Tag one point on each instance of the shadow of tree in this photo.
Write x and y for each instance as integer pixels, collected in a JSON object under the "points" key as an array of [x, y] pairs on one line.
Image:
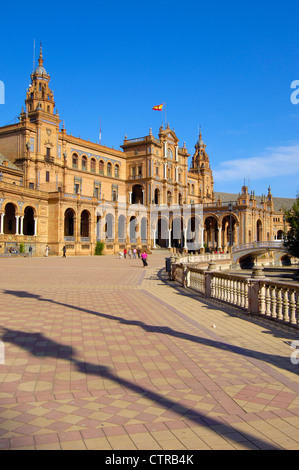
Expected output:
{"points": [[38, 344]]}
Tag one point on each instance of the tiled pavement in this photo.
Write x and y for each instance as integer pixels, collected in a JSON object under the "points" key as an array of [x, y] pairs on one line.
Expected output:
{"points": [[101, 353]]}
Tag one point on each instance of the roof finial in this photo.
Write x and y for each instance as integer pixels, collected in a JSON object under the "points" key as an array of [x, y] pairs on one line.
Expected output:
{"points": [[40, 59]]}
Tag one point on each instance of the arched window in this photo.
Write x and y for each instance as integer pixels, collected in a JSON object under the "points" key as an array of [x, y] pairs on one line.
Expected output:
{"points": [[101, 167], [84, 163], [116, 171], [75, 160], [93, 165], [109, 169]]}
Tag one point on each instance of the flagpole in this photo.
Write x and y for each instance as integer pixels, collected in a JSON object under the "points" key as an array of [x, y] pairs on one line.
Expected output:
{"points": [[165, 114]]}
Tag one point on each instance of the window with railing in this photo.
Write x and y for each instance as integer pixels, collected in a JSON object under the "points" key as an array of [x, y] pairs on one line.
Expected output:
{"points": [[109, 169], [75, 160], [101, 167]]}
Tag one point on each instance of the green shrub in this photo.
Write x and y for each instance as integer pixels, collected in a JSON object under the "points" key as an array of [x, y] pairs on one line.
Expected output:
{"points": [[22, 248], [99, 248]]}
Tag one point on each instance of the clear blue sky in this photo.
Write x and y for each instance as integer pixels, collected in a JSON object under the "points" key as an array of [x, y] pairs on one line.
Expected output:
{"points": [[227, 66]]}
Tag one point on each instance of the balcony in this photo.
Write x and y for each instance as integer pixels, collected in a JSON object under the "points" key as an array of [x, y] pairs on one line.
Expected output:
{"points": [[49, 159]]}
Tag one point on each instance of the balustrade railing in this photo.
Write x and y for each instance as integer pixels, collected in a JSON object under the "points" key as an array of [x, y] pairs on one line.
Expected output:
{"points": [[271, 299]]}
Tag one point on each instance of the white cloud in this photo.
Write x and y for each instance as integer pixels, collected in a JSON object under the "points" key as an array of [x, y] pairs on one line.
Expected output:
{"points": [[279, 161]]}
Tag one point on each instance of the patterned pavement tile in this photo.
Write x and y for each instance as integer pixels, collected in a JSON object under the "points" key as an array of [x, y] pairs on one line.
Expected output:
{"points": [[102, 354]]}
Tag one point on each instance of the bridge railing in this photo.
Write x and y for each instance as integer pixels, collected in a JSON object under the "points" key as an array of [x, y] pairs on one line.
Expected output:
{"points": [[274, 300], [251, 246]]}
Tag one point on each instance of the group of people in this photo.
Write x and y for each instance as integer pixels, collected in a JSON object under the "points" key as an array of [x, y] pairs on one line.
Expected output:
{"points": [[133, 253]]}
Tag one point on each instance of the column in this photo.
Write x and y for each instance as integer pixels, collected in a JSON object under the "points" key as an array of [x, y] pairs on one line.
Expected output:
{"points": [[165, 170], [143, 198], [185, 239], [1, 224], [17, 224], [130, 197], [202, 238], [219, 238]]}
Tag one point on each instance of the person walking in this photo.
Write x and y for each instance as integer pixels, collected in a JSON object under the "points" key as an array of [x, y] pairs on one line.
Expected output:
{"points": [[125, 253], [30, 251], [130, 253], [47, 250], [144, 258], [64, 251], [134, 253]]}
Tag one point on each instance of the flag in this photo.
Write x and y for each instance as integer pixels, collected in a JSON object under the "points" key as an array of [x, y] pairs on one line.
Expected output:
{"points": [[158, 108]]}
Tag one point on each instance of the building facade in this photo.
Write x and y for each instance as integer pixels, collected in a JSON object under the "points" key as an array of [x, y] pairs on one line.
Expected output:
{"points": [[60, 190]]}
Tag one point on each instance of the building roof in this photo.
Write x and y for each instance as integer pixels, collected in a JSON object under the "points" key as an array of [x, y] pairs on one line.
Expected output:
{"points": [[280, 203], [6, 163]]}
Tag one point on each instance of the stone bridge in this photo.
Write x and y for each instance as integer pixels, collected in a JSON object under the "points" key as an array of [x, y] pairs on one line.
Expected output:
{"points": [[255, 249]]}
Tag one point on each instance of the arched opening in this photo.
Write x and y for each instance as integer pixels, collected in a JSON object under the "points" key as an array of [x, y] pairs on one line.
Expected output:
{"points": [[29, 221], [69, 223], [75, 160], [101, 167], [10, 219], [93, 165], [133, 228], [109, 227], [169, 198], [109, 169], [162, 232], [137, 194], [177, 233], [116, 171], [280, 235], [122, 228], [259, 231], [84, 163], [228, 232], [84, 224], [211, 233]]}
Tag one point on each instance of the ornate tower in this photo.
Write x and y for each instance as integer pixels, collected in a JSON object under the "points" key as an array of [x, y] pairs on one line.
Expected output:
{"points": [[200, 165], [39, 97]]}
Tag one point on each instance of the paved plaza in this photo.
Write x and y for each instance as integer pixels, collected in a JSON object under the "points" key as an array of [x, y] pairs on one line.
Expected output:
{"points": [[101, 353]]}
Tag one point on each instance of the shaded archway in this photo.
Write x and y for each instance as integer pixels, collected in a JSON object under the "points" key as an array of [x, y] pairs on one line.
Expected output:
{"points": [[10, 219], [29, 221], [84, 224], [69, 222], [109, 226], [133, 229], [259, 231], [162, 232], [137, 194], [143, 230], [122, 228], [211, 233], [156, 196]]}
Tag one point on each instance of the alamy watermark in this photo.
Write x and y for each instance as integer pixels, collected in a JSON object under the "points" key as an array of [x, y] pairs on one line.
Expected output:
{"points": [[295, 94], [2, 93], [2, 353]]}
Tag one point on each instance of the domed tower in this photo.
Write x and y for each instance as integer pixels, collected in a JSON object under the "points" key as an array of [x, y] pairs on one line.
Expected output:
{"points": [[39, 97], [200, 165]]}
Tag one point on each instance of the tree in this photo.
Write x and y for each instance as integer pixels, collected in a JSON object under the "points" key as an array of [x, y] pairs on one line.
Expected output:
{"points": [[292, 237]]}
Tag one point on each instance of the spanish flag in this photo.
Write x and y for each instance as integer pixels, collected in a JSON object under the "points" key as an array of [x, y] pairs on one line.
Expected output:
{"points": [[158, 108]]}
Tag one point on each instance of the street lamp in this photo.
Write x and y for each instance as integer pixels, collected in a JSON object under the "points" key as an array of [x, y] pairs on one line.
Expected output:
{"points": [[230, 208]]}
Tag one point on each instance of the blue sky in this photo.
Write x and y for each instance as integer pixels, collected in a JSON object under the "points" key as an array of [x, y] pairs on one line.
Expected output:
{"points": [[224, 66]]}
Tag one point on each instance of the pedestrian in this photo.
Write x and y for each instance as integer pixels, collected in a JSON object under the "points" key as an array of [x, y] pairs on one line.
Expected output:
{"points": [[125, 253], [30, 250], [64, 251], [134, 253], [130, 253], [138, 253], [47, 250], [120, 254], [144, 258]]}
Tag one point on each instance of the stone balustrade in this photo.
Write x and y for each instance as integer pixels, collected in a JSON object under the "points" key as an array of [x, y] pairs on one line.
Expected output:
{"points": [[256, 295]]}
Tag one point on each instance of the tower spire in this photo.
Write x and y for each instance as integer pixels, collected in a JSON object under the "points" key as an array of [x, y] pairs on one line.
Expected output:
{"points": [[40, 59]]}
